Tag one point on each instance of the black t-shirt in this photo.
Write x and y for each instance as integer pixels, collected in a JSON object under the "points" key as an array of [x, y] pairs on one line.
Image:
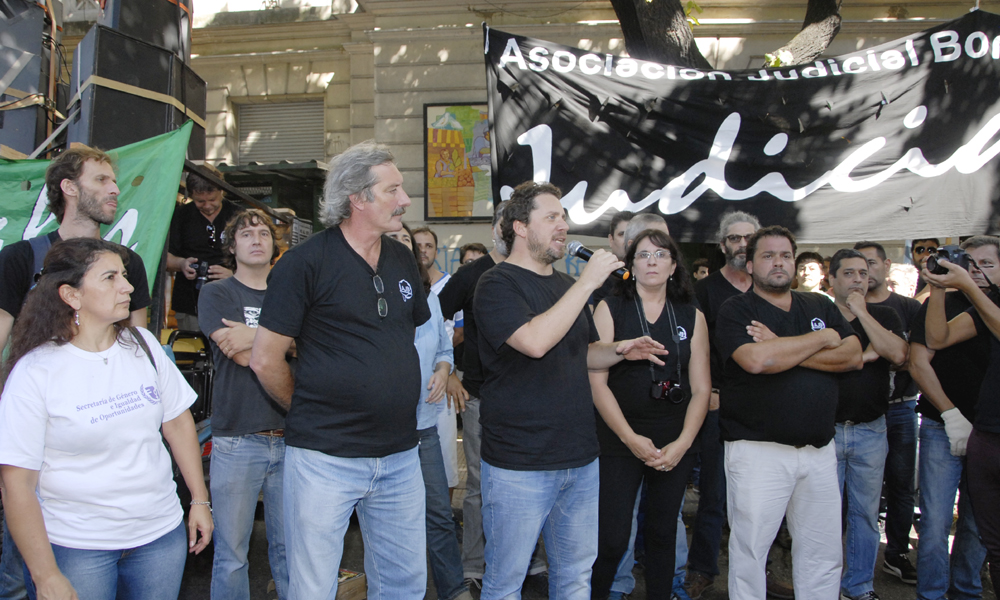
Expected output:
{"points": [[17, 261], [988, 406], [660, 420], [191, 234], [240, 405], [358, 377], [960, 368], [712, 292], [458, 295], [794, 407], [864, 394], [537, 413], [607, 289], [902, 383]]}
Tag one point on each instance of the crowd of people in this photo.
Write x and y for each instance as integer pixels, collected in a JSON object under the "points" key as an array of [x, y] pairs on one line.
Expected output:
{"points": [[587, 404]]}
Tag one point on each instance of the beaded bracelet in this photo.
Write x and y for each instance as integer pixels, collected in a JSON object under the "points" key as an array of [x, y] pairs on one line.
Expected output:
{"points": [[208, 504]]}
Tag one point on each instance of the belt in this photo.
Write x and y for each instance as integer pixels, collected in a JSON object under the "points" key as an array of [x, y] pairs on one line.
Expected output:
{"points": [[272, 432]]}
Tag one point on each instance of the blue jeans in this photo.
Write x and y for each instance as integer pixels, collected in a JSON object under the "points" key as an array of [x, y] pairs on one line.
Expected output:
{"points": [[241, 467], [680, 557], [442, 539], [562, 505], [150, 572], [861, 452], [11, 569], [321, 491], [706, 532], [941, 477], [900, 473]]}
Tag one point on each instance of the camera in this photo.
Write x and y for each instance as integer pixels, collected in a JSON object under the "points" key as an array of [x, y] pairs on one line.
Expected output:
{"points": [[669, 390], [952, 254], [201, 267]]}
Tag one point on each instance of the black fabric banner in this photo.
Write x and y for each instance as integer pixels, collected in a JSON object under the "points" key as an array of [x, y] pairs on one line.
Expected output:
{"points": [[892, 142]]}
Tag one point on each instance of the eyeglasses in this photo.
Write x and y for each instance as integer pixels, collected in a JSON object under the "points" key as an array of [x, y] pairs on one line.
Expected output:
{"points": [[923, 249], [383, 306], [211, 232], [735, 238], [658, 255]]}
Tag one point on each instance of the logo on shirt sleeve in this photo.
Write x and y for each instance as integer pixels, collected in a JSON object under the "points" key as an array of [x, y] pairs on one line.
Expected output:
{"points": [[818, 324], [405, 289]]}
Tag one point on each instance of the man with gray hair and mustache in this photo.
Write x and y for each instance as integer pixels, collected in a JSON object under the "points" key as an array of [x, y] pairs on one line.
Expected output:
{"points": [[350, 299]]}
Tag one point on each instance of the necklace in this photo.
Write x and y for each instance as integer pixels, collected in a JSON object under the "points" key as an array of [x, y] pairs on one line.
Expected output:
{"points": [[104, 355]]}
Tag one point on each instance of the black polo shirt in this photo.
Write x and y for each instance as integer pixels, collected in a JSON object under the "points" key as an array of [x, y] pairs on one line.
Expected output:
{"points": [[795, 407], [357, 383], [864, 394], [17, 261], [902, 383], [988, 406], [458, 295], [191, 234]]}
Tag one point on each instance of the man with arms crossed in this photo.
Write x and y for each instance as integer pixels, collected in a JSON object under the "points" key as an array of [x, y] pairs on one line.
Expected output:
{"points": [[248, 451], [782, 351], [901, 425], [861, 433], [351, 299], [537, 340]]}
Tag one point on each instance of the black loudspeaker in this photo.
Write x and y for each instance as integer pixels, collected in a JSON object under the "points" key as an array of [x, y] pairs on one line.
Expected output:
{"points": [[163, 23], [24, 71], [109, 117]]}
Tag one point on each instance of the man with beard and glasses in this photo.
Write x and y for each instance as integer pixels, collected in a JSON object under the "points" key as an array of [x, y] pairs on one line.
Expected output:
{"points": [[735, 229], [351, 299], [539, 446], [82, 195], [861, 423], [901, 424], [196, 240], [782, 351], [950, 380]]}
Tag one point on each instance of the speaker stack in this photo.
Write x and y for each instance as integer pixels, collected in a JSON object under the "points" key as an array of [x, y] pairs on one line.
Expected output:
{"points": [[24, 74], [131, 79]]}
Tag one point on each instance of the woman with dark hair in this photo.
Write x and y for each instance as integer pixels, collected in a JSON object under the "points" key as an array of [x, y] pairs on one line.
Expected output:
{"points": [[650, 414], [89, 491]]}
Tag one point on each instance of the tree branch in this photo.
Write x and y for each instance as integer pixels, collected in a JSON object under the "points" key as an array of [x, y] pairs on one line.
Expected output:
{"points": [[658, 30]]}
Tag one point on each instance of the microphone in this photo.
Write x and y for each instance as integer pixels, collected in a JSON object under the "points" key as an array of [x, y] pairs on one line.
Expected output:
{"points": [[580, 251]]}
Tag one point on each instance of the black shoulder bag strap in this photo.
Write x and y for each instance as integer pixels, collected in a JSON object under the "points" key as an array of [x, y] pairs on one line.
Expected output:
{"points": [[142, 344], [39, 247]]}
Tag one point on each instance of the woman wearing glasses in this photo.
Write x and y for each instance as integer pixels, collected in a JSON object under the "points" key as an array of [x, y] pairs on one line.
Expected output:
{"points": [[650, 414], [89, 492]]}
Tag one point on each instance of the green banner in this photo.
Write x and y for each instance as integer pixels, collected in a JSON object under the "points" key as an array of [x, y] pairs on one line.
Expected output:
{"points": [[148, 175]]}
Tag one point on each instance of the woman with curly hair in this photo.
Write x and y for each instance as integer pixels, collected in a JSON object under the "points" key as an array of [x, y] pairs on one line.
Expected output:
{"points": [[88, 486]]}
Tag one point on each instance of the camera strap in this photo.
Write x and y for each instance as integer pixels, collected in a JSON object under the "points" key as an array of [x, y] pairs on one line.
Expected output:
{"points": [[644, 324]]}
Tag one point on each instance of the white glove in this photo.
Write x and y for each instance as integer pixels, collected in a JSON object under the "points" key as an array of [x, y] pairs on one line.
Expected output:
{"points": [[958, 429]]}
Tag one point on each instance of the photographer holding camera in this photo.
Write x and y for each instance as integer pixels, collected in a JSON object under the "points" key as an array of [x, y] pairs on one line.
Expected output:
{"points": [[950, 268], [196, 248]]}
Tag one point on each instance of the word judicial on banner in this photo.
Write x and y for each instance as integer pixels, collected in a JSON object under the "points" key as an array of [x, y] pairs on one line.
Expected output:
{"points": [[148, 173], [891, 142]]}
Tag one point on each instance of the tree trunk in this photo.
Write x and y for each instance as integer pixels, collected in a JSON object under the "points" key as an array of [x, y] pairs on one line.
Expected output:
{"points": [[821, 25], [658, 30]]}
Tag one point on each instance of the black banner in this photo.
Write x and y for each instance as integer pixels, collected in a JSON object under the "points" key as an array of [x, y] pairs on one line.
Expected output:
{"points": [[892, 142]]}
